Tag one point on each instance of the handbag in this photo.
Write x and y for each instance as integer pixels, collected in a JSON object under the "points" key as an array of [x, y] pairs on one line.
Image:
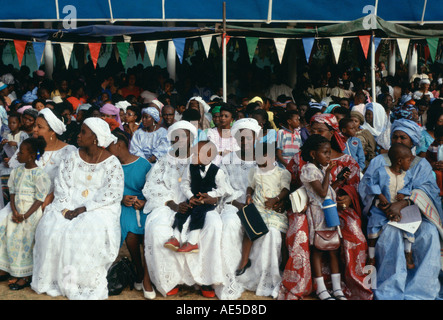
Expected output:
{"points": [[252, 222], [120, 275], [326, 240]]}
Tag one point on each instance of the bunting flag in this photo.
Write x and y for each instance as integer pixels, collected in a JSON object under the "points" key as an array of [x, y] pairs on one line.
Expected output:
{"points": [[280, 45], [151, 48], [123, 51], [251, 44], [218, 41], [336, 44], [308, 43], [403, 45], [433, 45], [228, 37], [39, 49], [179, 44], [206, 40], [364, 41], [67, 51], [20, 46], [376, 43], [94, 50]]}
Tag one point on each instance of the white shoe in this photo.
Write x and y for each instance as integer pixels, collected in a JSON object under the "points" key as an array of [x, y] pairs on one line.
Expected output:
{"points": [[138, 286], [150, 295]]}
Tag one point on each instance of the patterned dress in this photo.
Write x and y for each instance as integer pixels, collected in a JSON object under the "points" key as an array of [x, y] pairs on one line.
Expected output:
{"points": [[17, 239]]}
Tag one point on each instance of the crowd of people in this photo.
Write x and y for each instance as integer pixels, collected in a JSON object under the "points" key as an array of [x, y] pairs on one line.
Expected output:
{"points": [[92, 163]]}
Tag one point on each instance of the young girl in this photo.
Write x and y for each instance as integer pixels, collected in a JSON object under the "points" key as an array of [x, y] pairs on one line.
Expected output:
{"points": [[316, 178], [28, 186], [15, 135], [268, 188]]}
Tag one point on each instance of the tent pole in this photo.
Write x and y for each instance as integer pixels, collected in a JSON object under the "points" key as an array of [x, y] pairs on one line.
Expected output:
{"points": [[374, 89], [224, 53]]}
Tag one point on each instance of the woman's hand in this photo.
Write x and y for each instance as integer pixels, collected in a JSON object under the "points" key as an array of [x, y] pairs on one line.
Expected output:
{"points": [[71, 214], [128, 201], [393, 212], [344, 201], [139, 204], [270, 203], [249, 199]]}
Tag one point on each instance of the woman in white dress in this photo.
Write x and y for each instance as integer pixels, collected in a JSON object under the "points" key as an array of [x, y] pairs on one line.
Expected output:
{"points": [[164, 195], [78, 237], [236, 166]]}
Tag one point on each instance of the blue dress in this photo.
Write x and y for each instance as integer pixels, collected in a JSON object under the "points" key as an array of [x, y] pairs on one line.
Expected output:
{"points": [[394, 280], [135, 178], [146, 144]]}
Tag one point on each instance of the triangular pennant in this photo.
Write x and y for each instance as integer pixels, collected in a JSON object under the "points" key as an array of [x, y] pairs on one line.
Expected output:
{"points": [[67, 51], [376, 43], [251, 44], [280, 45], [308, 43], [39, 49], [206, 40], [20, 46], [151, 48], [218, 41], [179, 44], [433, 45], [336, 43], [94, 50], [123, 51], [403, 45], [364, 41]]}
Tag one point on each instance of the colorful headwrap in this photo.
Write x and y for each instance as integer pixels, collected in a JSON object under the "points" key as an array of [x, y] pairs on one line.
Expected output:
{"points": [[112, 110], [153, 112], [331, 121], [411, 128], [405, 111]]}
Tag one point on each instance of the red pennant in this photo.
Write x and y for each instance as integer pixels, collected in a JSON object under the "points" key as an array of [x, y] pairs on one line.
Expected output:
{"points": [[94, 50], [427, 53], [224, 35], [365, 40], [20, 46]]}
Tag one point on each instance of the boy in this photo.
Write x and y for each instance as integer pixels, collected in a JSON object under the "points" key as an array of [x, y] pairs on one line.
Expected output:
{"points": [[204, 185], [390, 184], [354, 146], [288, 138]]}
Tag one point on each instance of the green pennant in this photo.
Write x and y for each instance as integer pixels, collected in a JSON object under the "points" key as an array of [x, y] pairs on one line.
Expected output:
{"points": [[433, 45], [123, 50], [251, 44]]}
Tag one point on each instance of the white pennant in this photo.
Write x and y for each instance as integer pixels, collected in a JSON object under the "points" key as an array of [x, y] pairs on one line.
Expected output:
{"points": [[219, 39], [336, 44], [116, 53], [206, 40], [151, 48], [280, 45], [126, 38], [67, 51], [403, 45]]}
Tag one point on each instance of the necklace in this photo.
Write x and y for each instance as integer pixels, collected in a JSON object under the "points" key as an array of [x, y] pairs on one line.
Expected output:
{"points": [[89, 176], [44, 163]]}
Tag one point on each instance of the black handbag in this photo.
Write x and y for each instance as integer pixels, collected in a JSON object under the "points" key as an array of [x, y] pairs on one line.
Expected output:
{"points": [[120, 275], [252, 222]]}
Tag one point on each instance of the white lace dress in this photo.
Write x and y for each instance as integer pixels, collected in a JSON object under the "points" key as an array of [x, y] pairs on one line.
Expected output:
{"points": [[167, 268], [72, 257], [237, 172]]}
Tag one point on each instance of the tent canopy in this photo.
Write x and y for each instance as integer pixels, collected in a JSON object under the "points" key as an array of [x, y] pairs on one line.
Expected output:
{"points": [[315, 11]]}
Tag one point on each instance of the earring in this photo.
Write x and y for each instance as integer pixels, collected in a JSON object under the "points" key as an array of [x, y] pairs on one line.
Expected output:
{"points": [[95, 141], [50, 138]]}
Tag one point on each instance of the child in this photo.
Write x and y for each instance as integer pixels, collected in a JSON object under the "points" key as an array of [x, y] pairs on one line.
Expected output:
{"points": [[434, 155], [390, 184], [316, 178], [28, 186], [268, 187], [15, 135], [203, 184], [288, 138], [354, 146]]}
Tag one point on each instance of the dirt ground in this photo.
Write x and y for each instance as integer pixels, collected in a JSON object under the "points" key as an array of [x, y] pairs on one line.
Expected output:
{"points": [[185, 293]]}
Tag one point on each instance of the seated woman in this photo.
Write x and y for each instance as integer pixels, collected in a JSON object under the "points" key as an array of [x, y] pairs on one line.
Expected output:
{"points": [[394, 280], [110, 111], [165, 197], [150, 141], [78, 237], [236, 166]]}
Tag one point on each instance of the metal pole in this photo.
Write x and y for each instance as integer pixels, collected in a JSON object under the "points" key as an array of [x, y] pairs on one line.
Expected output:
{"points": [[374, 88], [224, 53]]}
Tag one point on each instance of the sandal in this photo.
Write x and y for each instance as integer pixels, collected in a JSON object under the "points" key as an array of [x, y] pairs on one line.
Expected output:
{"points": [[17, 286], [328, 297], [340, 295]]}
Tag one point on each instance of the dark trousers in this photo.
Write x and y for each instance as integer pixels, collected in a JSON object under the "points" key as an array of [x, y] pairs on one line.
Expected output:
{"points": [[198, 215]]}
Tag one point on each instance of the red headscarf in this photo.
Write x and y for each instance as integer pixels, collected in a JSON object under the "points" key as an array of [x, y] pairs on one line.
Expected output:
{"points": [[331, 121]]}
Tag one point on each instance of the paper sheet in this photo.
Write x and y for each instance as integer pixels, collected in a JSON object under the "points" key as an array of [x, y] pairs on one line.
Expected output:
{"points": [[410, 219]]}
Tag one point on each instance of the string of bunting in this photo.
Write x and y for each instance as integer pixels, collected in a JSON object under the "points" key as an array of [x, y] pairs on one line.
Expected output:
{"points": [[121, 49]]}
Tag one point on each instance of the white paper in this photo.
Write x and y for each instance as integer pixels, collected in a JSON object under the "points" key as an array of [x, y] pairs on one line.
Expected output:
{"points": [[9, 150], [410, 219]]}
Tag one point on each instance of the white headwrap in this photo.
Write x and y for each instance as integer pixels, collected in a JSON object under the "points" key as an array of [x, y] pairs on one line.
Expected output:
{"points": [[153, 112], [245, 123], [202, 102], [379, 121], [54, 123], [158, 103], [182, 124], [101, 129], [123, 105], [424, 81]]}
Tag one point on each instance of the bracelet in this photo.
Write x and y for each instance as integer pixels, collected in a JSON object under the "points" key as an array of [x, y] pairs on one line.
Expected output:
{"points": [[248, 195], [64, 212], [278, 198]]}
